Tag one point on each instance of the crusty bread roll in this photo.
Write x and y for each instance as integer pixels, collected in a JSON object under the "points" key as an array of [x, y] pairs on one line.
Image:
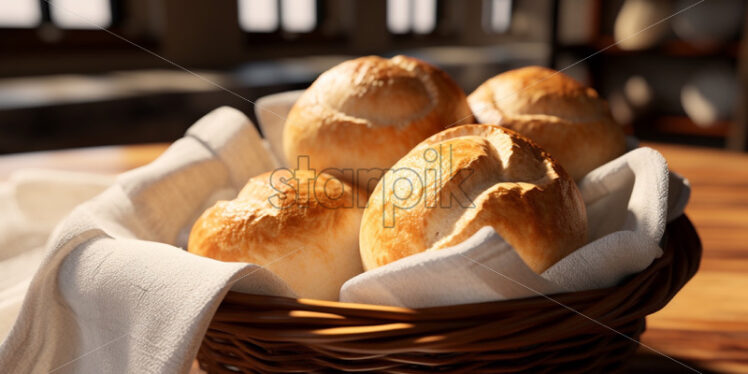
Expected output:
{"points": [[368, 112], [303, 229], [564, 117], [475, 176]]}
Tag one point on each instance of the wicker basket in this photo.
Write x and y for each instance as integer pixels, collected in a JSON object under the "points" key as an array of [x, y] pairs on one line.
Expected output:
{"points": [[572, 332]]}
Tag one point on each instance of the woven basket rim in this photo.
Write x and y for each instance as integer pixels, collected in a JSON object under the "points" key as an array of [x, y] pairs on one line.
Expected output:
{"points": [[272, 334], [522, 303]]}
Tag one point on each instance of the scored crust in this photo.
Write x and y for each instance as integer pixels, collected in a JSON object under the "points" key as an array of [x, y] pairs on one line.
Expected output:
{"points": [[468, 177]]}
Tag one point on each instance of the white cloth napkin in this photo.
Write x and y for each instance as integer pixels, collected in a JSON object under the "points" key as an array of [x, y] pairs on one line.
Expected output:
{"points": [[32, 202], [115, 293], [271, 114]]}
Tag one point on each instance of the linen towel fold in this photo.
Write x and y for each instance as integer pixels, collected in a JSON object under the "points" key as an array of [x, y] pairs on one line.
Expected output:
{"points": [[32, 202], [113, 293]]}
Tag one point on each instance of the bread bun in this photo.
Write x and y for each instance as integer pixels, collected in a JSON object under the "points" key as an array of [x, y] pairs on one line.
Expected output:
{"points": [[475, 176], [301, 227], [368, 112], [564, 117]]}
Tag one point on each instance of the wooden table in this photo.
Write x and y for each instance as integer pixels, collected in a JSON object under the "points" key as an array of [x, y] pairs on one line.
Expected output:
{"points": [[705, 325], [707, 322]]}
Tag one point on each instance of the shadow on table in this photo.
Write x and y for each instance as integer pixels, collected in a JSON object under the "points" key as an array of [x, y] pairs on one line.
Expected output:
{"points": [[644, 363]]}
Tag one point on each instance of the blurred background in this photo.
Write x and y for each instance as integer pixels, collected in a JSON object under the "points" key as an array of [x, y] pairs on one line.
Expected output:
{"points": [[79, 73]]}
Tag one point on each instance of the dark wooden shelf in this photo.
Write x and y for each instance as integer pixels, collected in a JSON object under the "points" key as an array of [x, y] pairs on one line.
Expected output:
{"points": [[666, 124], [682, 125], [673, 47]]}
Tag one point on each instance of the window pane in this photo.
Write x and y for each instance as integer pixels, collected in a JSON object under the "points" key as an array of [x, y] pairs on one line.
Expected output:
{"points": [[299, 15], [398, 16], [20, 13], [81, 14], [258, 15], [424, 16], [500, 16]]}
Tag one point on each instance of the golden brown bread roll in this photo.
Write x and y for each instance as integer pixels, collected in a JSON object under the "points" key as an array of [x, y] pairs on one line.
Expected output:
{"points": [[305, 230], [564, 117], [475, 176], [368, 112]]}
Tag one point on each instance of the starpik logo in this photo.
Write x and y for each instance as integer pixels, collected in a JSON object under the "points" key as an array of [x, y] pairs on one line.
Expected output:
{"points": [[400, 188]]}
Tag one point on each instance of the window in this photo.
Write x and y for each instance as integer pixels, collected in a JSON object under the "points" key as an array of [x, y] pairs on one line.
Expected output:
{"points": [[258, 15], [65, 14], [497, 16], [411, 16], [298, 15], [20, 13], [266, 16], [81, 14]]}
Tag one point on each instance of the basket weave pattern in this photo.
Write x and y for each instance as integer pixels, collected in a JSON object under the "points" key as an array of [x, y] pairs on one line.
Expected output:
{"points": [[264, 334]]}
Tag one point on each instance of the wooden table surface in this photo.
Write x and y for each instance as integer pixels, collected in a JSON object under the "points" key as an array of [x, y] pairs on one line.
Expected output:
{"points": [[705, 325]]}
